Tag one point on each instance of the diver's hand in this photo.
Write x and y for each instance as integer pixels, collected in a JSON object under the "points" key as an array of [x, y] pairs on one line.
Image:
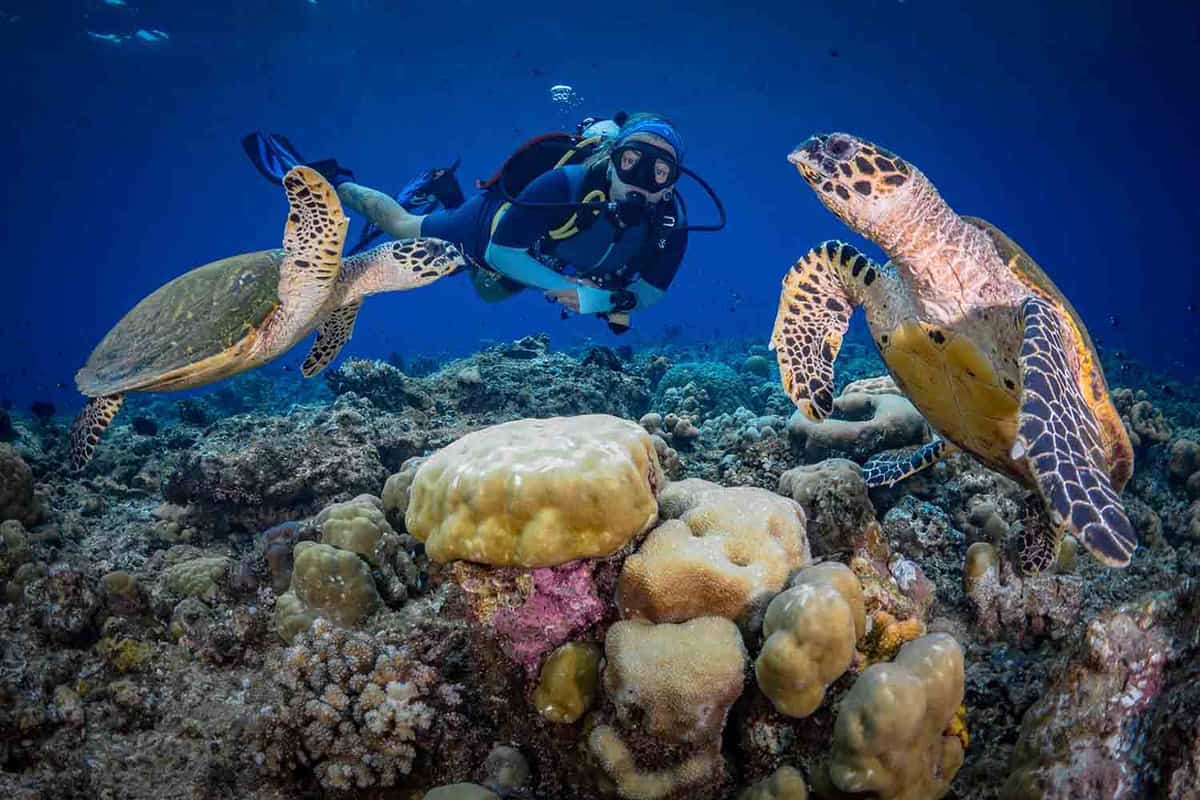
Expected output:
{"points": [[569, 298]]}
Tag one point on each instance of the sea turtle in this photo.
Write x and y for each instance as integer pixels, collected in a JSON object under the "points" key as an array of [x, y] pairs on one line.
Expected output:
{"points": [[238, 313], [973, 332]]}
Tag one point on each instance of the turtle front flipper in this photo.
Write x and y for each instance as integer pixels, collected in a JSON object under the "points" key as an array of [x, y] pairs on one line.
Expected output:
{"points": [[1059, 439], [333, 334], [888, 469], [819, 294], [90, 425], [312, 243]]}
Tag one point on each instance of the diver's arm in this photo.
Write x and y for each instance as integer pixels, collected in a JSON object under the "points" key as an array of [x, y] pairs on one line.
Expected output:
{"points": [[516, 263], [520, 226], [380, 209]]}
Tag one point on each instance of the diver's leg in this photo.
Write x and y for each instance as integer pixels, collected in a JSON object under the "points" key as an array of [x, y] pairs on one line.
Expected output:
{"points": [[383, 211]]}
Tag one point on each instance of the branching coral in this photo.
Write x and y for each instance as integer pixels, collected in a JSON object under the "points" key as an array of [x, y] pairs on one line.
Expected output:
{"points": [[354, 713]]}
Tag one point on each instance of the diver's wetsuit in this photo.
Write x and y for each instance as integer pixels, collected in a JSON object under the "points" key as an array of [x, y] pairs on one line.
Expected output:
{"points": [[604, 253]]}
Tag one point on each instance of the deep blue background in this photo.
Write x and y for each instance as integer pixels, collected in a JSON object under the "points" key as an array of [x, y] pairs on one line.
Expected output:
{"points": [[1073, 127]]}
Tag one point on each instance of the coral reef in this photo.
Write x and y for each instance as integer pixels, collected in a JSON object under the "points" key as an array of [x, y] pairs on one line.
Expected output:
{"points": [[17, 500], [1112, 722], [478, 599]]}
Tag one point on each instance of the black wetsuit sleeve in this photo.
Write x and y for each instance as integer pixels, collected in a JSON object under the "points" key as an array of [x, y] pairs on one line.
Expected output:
{"points": [[658, 267], [521, 226]]}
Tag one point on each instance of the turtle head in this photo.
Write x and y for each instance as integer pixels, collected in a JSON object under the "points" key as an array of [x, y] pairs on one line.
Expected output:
{"points": [[859, 181]]}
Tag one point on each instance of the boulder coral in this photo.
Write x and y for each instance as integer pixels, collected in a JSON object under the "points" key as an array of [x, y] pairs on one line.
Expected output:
{"points": [[674, 682], [895, 734], [868, 417], [810, 633], [537, 492], [326, 582], [722, 552]]}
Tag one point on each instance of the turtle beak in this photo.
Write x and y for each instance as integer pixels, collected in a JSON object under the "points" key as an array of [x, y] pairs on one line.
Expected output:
{"points": [[808, 152]]}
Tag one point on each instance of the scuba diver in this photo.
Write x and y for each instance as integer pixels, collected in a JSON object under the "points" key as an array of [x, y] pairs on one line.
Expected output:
{"points": [[594, 220]]}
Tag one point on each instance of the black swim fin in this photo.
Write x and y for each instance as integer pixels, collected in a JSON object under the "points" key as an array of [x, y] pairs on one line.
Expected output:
{"points": [[432, 189], [271, 154]]}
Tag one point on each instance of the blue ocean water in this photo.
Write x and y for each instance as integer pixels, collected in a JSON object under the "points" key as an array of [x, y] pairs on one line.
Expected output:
{"points": [[1070, 125]]}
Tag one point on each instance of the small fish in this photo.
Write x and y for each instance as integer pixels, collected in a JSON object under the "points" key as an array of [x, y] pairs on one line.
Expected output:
{"points": [[833, 53], [1190, 308], [1114, 320]]}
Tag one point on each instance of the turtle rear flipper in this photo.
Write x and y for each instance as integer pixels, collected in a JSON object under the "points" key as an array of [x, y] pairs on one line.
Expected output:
{"points": [[888, 469], [90, 425], [1059, 439], [333, 334], [312, 243], [819, 294]]}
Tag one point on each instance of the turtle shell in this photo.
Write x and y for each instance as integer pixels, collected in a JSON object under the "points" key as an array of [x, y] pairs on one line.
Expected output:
{"points": [[199, 314], [1092, 381], [1027, 271]]}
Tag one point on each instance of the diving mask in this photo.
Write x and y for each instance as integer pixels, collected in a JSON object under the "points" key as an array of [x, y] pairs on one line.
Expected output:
{"points": [[642, 165]]}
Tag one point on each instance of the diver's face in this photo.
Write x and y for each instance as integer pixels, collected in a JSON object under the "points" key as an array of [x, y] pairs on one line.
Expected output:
{"points": [[859, 181], [629, 159]]}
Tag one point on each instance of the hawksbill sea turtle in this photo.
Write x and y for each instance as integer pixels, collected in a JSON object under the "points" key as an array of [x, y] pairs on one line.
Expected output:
{"points": [[238, 313], [973, 332]]}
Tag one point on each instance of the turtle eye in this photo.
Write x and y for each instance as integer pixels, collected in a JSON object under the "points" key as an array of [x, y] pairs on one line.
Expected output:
{"points": [[839, 146]]}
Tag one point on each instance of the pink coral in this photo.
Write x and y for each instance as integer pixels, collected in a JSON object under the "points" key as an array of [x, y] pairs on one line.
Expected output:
{"points": [[562, 605]]}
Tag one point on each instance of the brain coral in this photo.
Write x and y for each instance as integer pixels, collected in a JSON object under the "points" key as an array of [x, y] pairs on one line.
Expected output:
{"points": [[537, 492]]}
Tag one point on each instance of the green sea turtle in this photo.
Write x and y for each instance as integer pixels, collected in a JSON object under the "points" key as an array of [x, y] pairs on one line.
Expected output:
{"points": [[238, 313], [974, 333]]}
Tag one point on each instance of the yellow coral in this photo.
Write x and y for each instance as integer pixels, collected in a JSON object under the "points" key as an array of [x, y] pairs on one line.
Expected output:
{"points": [[568, 681], [730, 550], [197, 577], [958, 727], [124, 655], [537, 492], [810, 631], [359, 526], [326, 582], [635, 783], [888, 634], [890, 735], [678, 680]]}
